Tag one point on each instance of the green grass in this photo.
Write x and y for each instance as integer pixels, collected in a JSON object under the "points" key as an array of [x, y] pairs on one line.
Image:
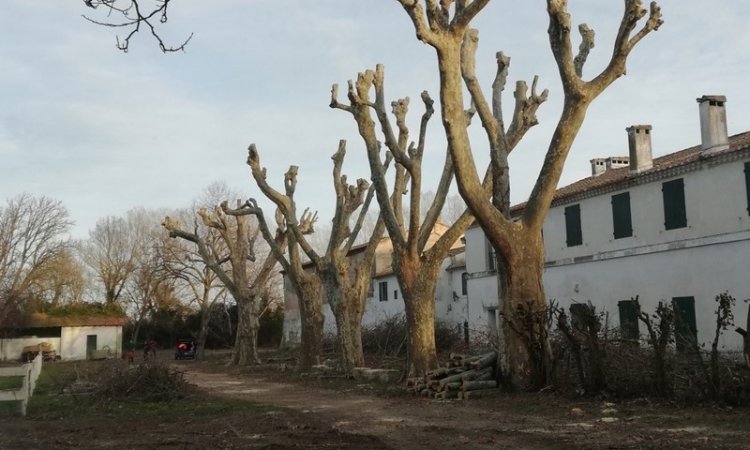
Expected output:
{"points": [[11, 383], [50, 401]]}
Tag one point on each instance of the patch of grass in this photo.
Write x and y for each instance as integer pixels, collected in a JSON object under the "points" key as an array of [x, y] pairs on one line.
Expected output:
{"points": [[11, 383], [52, 400]]}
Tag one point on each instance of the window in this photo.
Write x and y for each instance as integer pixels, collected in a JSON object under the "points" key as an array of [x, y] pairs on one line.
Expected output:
{"points": [[628, 319], [674, 204], [621, 220], [747, 185], [383, 291], [573, 225], [464, 283], [491, 258], [685, 330], [395, 294]]}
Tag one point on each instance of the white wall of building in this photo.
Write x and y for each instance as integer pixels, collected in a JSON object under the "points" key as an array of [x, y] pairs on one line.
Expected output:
{"points": [[73, 340], [715, 203], [707, 257], [12, 349]]}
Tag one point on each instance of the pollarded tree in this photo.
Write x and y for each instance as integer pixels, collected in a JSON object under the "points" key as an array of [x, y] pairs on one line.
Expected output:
{"points": [[307, 285], [445, 26], [346, 278], [418, 251], [239, 241]]}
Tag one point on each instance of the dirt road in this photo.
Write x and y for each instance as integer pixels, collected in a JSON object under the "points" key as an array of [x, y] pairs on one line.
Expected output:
{"points": [[528, 422]]}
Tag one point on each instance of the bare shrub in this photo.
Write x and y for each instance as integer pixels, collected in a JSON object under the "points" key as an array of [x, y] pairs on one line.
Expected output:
{"points": [[149, 381]]}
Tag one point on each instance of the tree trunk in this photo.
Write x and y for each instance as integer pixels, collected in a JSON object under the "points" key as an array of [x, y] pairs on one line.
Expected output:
{"points": [[347, 309], [419, 299], [524, 348], [246, 343], [311, 332], [203, 332]]}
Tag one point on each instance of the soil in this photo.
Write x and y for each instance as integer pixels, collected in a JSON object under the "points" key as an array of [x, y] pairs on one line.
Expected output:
{"points": [[328, 412]]}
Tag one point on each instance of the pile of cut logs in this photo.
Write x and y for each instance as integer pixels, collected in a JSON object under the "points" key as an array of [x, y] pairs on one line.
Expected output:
{"points": [[462, 377]]}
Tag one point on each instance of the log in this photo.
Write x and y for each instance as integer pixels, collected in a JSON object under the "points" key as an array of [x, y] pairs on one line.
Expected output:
{"points": [[483, 393], [445, 395], [471, 375], [454, 386], [457, 377], [486, 360], [478, 385]]}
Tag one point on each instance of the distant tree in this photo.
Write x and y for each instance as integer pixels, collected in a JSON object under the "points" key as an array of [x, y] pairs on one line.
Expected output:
{"points": [[231, 263], [32, 241], [111, 251]]}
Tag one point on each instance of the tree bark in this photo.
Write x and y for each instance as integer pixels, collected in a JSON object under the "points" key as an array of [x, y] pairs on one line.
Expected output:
{"points": [[246, 342], [311, 329], [524, 351], [347, 308], [418, 283]]}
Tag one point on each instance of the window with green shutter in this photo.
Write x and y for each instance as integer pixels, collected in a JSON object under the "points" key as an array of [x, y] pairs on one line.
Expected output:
{"points": [[621, 220], [673, 193], [747, 185], [685, 330], [628, 319], [573, 225]]}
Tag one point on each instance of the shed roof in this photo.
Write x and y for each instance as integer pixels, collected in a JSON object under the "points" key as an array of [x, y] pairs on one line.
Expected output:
{"points": [[42, 320]]}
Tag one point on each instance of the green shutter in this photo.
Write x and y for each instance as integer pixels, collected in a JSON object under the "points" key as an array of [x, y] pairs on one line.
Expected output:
{"points": [[685, 329], [573, 225], [673, 193], [747, 185], [621, 220], [628, 319]]}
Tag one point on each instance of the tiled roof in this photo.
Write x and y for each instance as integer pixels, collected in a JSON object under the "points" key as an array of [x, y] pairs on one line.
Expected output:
{"points": [[614, 178]]}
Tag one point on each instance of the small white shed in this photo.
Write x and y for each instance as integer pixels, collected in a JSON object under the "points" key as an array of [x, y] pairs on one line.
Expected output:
{"points": [[72, 337]]}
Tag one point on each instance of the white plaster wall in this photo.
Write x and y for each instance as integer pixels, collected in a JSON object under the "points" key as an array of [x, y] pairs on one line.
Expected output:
{"points": [[715, 203], [476, 250], [12, 349], [73, 340], [700, 272], [377, 311]]}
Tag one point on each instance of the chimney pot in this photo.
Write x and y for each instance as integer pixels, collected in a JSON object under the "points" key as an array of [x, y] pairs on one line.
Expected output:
{"points": [[639, 145], [713, 116]]}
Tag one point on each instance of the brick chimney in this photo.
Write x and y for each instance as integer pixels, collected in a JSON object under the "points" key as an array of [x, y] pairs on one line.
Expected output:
{"points": [[714, 136], [639, 144]]}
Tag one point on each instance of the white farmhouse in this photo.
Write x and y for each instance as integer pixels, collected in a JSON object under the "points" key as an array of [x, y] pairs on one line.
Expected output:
{"points": [[71, 337], [674, 228]]}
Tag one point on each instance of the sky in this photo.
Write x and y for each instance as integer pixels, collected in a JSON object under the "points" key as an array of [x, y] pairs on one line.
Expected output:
{"points": [[105, 131]]}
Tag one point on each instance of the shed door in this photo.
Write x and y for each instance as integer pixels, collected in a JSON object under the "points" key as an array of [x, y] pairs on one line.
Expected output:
{"points": [[90, 344]]}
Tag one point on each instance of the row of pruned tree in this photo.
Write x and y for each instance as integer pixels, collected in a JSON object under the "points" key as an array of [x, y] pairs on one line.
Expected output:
{"points": [[446, 27]]}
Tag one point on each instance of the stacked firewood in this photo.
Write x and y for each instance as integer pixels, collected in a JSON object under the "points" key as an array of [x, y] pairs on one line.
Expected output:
{"points": [[462, 377]]}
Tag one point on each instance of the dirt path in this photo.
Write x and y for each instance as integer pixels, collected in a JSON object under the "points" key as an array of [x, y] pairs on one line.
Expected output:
{"points": [[525, 422]]}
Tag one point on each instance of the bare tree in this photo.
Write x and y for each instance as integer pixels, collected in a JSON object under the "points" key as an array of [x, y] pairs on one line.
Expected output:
{"points": [[131, 15], [239, 241], [346, 278], [307, 284], [415, 263], [186, 265], [31, 242], [445, 26]]}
